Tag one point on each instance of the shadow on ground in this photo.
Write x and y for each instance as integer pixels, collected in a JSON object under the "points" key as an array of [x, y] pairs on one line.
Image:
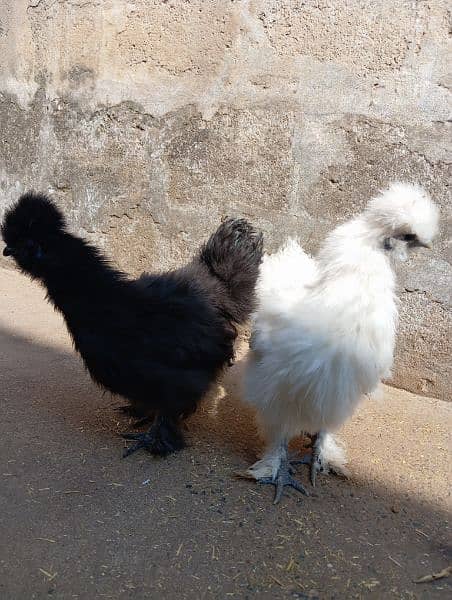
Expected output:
{"points": [[77, 521]]}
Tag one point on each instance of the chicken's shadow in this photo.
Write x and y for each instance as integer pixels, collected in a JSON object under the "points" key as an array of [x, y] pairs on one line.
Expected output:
{"points": [[58, 390], [224, 421], [55, 422]]}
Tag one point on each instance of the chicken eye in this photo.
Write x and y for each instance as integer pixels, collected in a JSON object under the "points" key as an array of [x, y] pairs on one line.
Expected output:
{"points": [[409, 237]]}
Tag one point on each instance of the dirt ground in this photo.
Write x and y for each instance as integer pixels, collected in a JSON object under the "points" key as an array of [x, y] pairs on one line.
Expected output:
{"points": [[78, 521]]}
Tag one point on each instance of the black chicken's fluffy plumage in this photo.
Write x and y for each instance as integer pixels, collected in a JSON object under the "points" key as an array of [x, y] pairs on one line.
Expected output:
{"points": [[161, 340]]}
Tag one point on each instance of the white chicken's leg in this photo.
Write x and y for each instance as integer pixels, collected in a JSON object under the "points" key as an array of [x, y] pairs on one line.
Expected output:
{"points": [[317, 455], [327, 456], [274, 468]]}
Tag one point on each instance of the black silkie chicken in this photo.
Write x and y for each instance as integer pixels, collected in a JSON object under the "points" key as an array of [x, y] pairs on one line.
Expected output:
{"points": [[159, 341]]}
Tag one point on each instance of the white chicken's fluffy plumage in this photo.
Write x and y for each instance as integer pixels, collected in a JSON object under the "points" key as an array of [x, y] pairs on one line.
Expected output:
{"points": [[324, 332]]}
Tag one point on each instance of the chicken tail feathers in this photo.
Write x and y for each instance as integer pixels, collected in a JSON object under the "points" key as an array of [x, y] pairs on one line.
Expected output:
{"points": [[233, 255]]}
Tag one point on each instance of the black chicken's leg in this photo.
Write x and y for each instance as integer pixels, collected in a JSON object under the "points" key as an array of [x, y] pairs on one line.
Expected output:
{"points": [[162, 438]]}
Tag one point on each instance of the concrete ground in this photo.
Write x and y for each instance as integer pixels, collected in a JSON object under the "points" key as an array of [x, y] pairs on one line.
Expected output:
{"points": [[77, 521]]}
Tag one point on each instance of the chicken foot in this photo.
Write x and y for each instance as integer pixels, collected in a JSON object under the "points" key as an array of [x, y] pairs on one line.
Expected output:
{"points": [[316, 459], [162, 438], [283, 477]]}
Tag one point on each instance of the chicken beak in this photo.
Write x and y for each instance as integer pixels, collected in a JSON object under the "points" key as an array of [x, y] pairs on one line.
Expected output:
{"points": [[7, 251], [427, 245]]}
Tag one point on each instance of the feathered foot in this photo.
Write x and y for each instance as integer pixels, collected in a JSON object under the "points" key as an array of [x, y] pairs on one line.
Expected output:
{"points": [[326, 457], [278, 465], [315, 460], [162, 438]]}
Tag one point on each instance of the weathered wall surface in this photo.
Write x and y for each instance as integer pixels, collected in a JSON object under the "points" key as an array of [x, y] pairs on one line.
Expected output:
{"points": [[150, 120]]}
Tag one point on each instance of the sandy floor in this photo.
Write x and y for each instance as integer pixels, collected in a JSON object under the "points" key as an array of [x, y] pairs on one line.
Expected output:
{"points": [[77, 521]]}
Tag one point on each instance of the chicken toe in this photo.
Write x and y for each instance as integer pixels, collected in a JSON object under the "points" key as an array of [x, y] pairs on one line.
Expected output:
{"points": [[162, 438], [326, 456], [282, 479]]}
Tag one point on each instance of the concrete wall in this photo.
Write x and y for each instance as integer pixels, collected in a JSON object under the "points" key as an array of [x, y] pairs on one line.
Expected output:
{"points": [[150, 120]]}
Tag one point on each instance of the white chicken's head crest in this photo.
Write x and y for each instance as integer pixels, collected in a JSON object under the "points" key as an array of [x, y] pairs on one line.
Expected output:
{"points": [[405, 211]]}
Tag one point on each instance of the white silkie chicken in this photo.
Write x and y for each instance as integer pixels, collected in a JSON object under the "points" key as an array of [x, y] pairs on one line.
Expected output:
{"points": [[324, 332]]}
